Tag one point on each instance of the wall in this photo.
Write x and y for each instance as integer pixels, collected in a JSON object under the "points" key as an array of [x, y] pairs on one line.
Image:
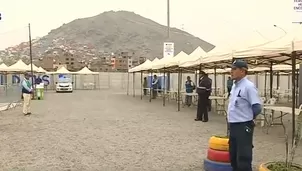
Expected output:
{"points": [[119, 81]]}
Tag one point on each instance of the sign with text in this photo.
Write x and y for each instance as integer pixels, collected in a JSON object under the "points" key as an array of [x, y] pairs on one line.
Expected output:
{"points": [[297, 11], [168, 49], [45, 79]]}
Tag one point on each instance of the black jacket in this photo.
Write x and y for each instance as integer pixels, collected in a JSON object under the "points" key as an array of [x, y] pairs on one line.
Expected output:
{"points": [[205, 86]]}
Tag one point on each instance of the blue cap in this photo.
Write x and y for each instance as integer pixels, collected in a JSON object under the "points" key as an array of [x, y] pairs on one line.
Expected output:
{"points": [[239, 63]]}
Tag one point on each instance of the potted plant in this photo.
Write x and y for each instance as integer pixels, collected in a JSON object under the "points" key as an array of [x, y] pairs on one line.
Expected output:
{"points": [[288, 164]]}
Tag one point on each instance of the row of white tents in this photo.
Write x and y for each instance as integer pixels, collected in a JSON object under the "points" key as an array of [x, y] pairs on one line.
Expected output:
{"points": [[260, 54], [20, 66]]}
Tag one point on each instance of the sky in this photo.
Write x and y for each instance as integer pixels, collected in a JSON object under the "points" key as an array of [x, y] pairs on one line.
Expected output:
{"points": [[218, 22]]}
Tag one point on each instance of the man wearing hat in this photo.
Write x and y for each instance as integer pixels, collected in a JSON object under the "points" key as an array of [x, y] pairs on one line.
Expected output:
{"points": [[203, 91], [244, 106], [26, 93]]}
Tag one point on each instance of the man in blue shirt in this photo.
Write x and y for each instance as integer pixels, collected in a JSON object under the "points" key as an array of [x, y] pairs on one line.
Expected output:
{"points": [[244, 106]]}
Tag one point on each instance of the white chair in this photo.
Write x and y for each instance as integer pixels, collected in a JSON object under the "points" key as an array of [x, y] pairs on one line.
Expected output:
{"points": [[263, 100]]}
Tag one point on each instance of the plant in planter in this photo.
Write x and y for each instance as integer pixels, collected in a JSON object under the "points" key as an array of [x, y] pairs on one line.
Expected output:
{"points": [[289, 164]]}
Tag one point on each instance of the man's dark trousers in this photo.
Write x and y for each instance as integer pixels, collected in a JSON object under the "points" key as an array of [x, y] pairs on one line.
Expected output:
{"points": [[241, 145], [229, 91], [202, 107]]}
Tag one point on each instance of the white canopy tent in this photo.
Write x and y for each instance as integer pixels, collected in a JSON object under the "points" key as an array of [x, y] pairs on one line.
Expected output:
{"points": [[181, 56], [222, 56], [277, 51], [62, 70], [149, 65], [35, 68], [161, 63], [4, 68], [41, 70], [139, 67], [218, 71], [86, 71], [284, 67], [193, 57], [87, 81], [19, 66]]}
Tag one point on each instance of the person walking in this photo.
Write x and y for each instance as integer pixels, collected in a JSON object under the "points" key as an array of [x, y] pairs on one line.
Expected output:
{"points": [[190, 86], [203, 90], [26, 93], [229, 85], [244, 106]]}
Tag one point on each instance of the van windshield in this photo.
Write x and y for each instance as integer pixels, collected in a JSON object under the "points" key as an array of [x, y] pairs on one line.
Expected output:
{"points": [[64, 80]]}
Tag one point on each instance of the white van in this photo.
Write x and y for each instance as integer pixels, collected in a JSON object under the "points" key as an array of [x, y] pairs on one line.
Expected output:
{"points": [[64, 85]]}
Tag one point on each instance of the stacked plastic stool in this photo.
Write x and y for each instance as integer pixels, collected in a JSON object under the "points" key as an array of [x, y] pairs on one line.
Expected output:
{"points": [[218, 157]]}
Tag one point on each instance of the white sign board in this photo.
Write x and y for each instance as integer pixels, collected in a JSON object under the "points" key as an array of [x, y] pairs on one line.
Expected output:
{"points": [[168, 49], [297, 11]]}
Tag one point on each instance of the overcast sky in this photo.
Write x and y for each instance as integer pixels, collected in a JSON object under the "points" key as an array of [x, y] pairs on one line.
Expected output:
{"points": [[214, 21]]}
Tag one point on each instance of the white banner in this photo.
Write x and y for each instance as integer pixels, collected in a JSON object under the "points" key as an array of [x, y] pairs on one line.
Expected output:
{"points": [[297, 11], [168, 49]]}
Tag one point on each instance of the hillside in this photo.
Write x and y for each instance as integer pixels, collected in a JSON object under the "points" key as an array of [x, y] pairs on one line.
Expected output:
{"points": [[112, 32]]}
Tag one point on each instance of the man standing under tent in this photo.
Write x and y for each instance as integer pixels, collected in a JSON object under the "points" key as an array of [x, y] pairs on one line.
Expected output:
{"points": [[190, 87], [243, 108], [26, 94], [145, 86], [154, 86], [210, 101], [203, 90], [229, 85]]}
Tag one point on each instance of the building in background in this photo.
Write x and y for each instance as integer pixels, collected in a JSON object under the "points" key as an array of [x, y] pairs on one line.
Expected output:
{"points": [[104, 63], [57, 57], [101, 64]]}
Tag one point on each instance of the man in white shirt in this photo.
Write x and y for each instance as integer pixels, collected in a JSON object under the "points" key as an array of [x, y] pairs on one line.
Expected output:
{"points": [[26, 93]]}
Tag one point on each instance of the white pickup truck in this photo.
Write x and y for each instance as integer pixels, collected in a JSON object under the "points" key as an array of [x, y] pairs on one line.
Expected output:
{"points": [[64, 85]]}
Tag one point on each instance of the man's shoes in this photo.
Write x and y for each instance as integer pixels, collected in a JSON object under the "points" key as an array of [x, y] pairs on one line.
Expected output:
{"points": [[205, 120], [197, 119], [26, 114]]}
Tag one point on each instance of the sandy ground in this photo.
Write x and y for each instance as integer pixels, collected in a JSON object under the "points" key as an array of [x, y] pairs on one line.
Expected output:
{"points": [[101, 131]]}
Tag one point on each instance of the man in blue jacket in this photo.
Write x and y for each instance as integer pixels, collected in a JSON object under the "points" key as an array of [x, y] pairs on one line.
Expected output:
{"points": [[190, 87], [26, 93]]}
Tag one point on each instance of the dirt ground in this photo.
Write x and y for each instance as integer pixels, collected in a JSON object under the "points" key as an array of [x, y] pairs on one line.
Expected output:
{"points": [[103, 131]]}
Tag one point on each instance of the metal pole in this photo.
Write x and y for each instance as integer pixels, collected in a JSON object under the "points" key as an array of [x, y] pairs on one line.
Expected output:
{"points": [[178, 89], [133, 84], [128, 83], [265, 84], [151, 87], [31, 58], [293, 56], [271, 80], [142, 88], [164, 88], [297, 88]]}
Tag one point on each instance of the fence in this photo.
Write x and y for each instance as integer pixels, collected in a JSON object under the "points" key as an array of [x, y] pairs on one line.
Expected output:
{"points": [[118, 82]]}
